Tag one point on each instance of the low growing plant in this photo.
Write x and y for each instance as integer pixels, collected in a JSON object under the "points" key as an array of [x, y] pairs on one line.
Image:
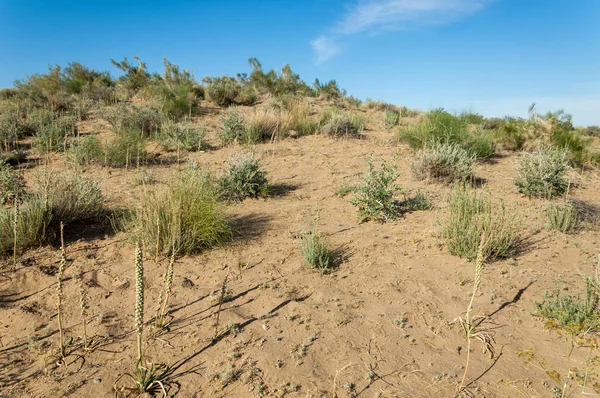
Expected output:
{"points": [[562, 216], [471, 217], [315, 250], [542, 173], [444, 162], [374, 196], [243, 179]]}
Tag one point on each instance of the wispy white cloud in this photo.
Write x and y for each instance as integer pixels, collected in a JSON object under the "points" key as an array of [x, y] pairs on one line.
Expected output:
{"points": [[376, 16], [325, 48]]}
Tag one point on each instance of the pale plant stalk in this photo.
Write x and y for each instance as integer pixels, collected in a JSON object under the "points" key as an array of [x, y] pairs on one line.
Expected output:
{"points": [[168, 280], [59, 290], [222, 294], [139, 299], [479, 264], [83, 305], [15, 228]]}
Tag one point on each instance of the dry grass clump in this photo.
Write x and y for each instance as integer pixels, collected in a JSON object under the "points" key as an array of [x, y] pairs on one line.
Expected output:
{"points": [[472, 217], [444, 162], [266, 125], [56, 197], [542, 173], [182, 135], [563, 216], [336, 124], [300, 119], [188, 216]]}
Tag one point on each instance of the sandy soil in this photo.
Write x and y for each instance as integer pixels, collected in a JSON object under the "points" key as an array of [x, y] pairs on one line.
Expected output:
{"points": [[379, 326]]}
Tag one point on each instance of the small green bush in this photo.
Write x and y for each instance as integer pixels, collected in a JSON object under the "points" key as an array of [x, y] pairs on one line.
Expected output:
{"points": [[374, 196], [127, 148], [444, 162], [471, 118], [441, 126], [573, 144], [471, 217], [144, 119], [391, 117], [223, 91], [10, 183], [243, 179], [563, 216], [233, 127], [315, 250], [184, 135], [51, 137], [542, 173], [87, 150], [570, 313], [188, 214]]}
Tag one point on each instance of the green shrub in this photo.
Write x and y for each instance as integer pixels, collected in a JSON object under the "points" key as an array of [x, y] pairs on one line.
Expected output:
{"points": [[391, 117], [10, 183], [184, 135], [315, 250], [592, 131], [144, 119], [542, 173], [69, 197], [575, 316], [443, 162], [233, 127], [374, 196], [471, 217], [243, 179], [127, 148], [573, 144], [563, 216], [441, 126], [341, 125], [471, 118], [511, 133], [87, 150], [188, 214], [51, 137], [223, 91]]}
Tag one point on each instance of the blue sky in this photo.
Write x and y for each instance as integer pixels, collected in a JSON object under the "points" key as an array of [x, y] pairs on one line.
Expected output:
{"points": [[495, 57]]}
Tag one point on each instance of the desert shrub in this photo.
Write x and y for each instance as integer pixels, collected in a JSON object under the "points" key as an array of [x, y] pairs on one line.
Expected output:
{"points": [[441, 126], [188, 214], [315, 250], [11, 130], [300, 119], [69, 197], [32, 223], [542, 173], [592, 131], [179, 91], [374, 196], [570, 313], [562, 216], [125, 149], [391, 117], [233, 127], [471, 217], [443, 162], [353, 101], [144, 119], [511, 133], [223, 91], [338, 124], [378, 105], [243, 179], [49, 138], [10, 183], [183, 135], [87, 150], [573, 144], [471, 118], [328, 90], [37, 118]]}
